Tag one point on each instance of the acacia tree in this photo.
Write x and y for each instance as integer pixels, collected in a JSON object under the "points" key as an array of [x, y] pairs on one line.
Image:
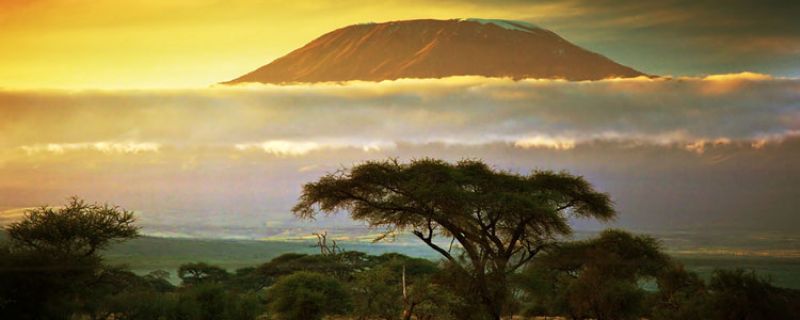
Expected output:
{"points": [[201, 272], [76, 229], [52, 269], [499, 219]]}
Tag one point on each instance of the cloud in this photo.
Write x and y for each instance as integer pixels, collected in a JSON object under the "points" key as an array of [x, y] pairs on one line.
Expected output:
{"points": [[298, 148], [458, 110], [12, 215], [545, 142], [103, 146], [719, 149]]}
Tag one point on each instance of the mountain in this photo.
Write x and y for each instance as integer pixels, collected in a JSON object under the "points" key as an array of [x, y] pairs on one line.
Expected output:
{"points": [[436, 49]]}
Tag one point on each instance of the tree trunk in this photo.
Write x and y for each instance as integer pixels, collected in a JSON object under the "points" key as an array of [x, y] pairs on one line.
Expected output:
{"points": [[408, 312], [408, 306], [492, 302]]}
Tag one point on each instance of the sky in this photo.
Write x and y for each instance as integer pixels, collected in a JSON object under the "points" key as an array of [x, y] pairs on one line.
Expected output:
{"points": [[182, 43], [117, 103]]}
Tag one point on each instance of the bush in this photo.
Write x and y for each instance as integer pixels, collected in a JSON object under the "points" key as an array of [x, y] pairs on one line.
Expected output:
{"points": [[740, 294], [140, 305], [597, 278], [307, 296], [377, 294], [681, 295]]}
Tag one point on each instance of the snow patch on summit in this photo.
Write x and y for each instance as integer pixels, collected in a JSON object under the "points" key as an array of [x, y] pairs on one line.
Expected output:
{"points": [[506, 24]]}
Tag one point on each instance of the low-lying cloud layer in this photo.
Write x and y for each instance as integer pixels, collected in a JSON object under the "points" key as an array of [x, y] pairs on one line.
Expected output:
{"points": [[243, 152], [460, 110]]}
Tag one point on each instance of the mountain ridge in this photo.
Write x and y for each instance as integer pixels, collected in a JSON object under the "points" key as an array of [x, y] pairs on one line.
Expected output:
{"points": [[428, 48]]}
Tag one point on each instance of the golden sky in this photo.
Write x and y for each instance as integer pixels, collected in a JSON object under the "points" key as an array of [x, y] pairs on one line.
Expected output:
{"points": [[195, 43], [154, 43]]}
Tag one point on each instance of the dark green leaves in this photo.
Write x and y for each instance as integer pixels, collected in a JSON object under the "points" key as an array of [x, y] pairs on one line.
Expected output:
{"points": [[78, 228]]}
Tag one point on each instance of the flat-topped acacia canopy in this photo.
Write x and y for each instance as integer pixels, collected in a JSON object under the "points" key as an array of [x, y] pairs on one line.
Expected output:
{"points": [[500, 219]]}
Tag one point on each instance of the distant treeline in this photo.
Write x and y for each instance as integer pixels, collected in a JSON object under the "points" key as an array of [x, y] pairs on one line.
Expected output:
{"points": [[507, 257], [50, 270]]}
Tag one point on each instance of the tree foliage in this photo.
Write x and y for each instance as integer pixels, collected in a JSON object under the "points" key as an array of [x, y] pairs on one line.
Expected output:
{"points": [[307, 296], [78, 228], [51, 268], [378, 291], [597, 278], [500, 220], [681, 295], [201, 272], [740, 294]]}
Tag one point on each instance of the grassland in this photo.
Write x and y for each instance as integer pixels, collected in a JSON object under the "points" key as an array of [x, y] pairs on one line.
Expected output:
{"points": [[773, 256], [150, 253]]}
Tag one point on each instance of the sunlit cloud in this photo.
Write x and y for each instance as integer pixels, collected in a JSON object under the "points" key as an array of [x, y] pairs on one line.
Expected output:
{"points": [[742, 76], [280, 147], [298, 148], [699, 146], [545, 142], [668, 150], [12, 215], [103, 146], [296, 120]]}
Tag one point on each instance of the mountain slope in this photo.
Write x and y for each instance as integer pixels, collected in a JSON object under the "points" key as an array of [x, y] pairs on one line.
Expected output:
{"points": [[435, 49]]}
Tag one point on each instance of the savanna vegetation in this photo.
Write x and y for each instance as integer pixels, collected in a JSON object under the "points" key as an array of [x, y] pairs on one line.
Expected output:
{"points": [[502, 238]]}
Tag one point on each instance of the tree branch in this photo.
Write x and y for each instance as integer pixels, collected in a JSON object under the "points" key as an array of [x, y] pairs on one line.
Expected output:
{"points": [[434, 246]]}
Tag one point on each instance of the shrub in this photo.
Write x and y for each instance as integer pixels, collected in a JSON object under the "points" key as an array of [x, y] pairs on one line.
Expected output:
{"points": [[307, 296]]}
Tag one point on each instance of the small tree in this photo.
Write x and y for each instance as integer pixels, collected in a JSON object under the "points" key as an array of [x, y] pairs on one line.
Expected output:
{"points": [[52, 270], [338, 266], [307, 296], [500, 220], [78, 228], [201, 272]]}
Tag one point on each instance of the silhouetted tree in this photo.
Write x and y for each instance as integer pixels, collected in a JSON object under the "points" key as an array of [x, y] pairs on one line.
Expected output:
{"points": [[158, 280], [77, 229], [51, 268], [201, 272], [499, 219]]}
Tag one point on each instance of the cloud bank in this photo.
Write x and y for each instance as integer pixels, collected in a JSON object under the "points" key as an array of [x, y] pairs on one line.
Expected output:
{"points": [[459, 110], [672, 152]]}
